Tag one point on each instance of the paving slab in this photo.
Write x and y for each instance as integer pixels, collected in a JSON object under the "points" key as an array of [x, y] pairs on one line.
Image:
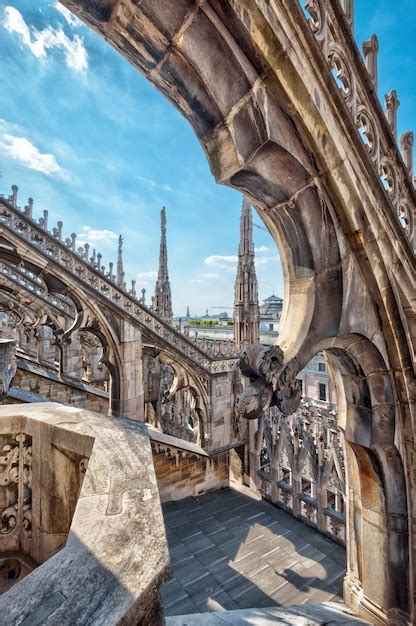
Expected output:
{"points": [[231, 551]]}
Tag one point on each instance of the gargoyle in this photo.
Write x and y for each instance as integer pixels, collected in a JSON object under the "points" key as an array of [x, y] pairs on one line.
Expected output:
{"points": [[271, 382]]}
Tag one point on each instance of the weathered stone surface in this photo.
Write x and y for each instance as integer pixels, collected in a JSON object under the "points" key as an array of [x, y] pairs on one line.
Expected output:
{"points": [[115, 557]]}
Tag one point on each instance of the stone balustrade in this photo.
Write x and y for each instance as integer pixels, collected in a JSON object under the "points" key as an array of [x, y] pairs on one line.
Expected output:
{"points": [[331, 25], [85, 269]]}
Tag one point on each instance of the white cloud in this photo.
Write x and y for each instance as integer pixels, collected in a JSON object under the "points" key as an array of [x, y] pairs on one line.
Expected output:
{"points": [[210, 276], [71, 19], [40, 41], [152, 184], [146, 276], [262, 249], [197, 281], [265, 260], [224, 261], [23, 151], [93, 235]]}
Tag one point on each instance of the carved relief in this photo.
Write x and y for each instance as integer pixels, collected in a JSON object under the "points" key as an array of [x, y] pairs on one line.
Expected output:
{"points": [[271, 384], [16, 483]]}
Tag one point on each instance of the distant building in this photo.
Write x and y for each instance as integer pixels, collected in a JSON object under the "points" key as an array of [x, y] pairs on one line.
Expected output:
{"points": [[270, 313]]}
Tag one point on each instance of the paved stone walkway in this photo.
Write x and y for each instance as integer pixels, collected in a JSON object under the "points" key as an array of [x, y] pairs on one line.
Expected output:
{"points": [[230, 551]]}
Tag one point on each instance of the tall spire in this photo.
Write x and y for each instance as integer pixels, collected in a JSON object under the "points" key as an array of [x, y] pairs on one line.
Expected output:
{"points": [[162, 303], [246, 303], [120, 268]]}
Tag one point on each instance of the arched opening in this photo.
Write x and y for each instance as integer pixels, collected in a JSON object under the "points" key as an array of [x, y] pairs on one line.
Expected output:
{"points": [[261, 139]]}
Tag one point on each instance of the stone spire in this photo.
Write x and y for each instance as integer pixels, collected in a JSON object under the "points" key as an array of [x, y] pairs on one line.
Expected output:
{"points": [[162, 303], [246, 304], [120, 268]]}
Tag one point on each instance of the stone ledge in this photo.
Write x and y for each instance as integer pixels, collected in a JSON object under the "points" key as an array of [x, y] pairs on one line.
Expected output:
{"points": [[116, 555]]}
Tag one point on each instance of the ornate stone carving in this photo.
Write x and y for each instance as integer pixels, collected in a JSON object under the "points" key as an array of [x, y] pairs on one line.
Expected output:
{"points": [[7, 364], [16, 483], [270, 382]]}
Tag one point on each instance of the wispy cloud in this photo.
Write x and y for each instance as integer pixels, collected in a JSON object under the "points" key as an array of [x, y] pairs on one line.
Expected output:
{"points": [[210, 276], [152, 184], [93, 235], [23, 151], [261, 249], [40, 41], [226, 262], [70, 18], [146, 276]]}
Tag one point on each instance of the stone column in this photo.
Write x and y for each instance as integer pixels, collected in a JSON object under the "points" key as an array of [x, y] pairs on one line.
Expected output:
{"points": [[370, 51], [46, 349], [71, 356], [406, 143], [131, 378]]}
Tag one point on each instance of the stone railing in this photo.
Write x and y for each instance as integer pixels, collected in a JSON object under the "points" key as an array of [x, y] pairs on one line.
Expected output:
{"points": [[100, 471], [85, 270], [216, 348], [300, 467], [331, 23]]}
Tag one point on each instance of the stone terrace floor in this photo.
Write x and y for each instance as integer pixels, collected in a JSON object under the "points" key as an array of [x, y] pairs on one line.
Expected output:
{"points": [[231, 551]]}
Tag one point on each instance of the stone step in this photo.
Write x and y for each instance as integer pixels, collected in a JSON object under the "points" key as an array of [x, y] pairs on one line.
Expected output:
{"points": [[299, 615]]}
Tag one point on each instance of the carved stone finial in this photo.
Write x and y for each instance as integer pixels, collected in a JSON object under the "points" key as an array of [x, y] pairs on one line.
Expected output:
{"points": [[120, 268], [28, 210], [13, 197], [143, 298], [110, 274], [406, 143], [43, 221], [392, 104], [57, 231], [133, 289], [370, 51]]}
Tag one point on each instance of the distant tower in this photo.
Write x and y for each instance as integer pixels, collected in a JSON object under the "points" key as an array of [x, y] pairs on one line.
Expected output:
{"points": [[120, 268], [246, 304], [188, 315], [162, 302]]}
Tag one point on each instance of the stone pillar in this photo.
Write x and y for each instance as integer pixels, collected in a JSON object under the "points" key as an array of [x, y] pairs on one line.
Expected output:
{"points": [[392, 104], [370, 51], [348, 8], [406, 143], [71, 357], [131, 377], [46, 349]]}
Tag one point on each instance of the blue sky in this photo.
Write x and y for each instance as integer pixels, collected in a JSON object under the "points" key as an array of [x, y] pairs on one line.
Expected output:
{"points": [[94, 143]]}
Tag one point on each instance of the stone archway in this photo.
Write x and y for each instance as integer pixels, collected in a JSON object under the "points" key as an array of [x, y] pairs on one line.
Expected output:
{"points": [[252, 82]]}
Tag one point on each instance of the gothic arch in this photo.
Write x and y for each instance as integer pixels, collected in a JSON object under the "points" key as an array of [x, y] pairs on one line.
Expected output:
{"points": [[283, 136]]}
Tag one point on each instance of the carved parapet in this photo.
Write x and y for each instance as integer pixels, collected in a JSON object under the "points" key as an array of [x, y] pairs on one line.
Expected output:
{"points": [[271, 382]]}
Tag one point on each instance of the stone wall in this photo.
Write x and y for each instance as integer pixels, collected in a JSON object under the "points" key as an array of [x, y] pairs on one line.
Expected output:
{"points": [[91, 475], [183, 472], [50, 386]]}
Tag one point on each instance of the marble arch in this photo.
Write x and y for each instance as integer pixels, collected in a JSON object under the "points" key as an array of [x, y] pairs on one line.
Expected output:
{"points": [[253, 81]]}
